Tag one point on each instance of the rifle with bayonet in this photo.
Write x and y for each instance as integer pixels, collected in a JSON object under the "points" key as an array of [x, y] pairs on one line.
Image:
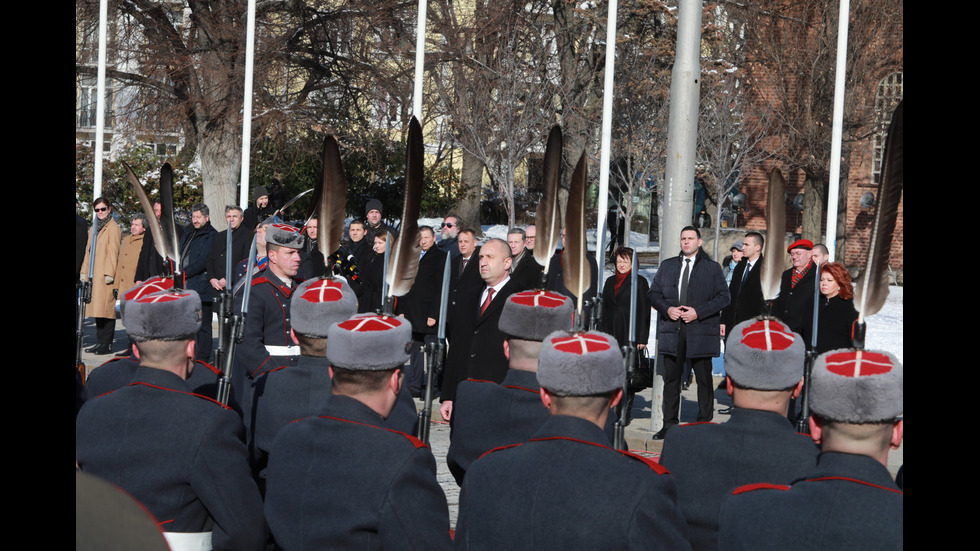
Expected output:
{"points": [[236, 329], [435, 355], [84, 292], [629, 361], [225, 304]]}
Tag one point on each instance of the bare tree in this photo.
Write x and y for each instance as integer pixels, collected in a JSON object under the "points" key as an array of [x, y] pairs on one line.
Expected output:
{"points": [[791, 48], [733, 137], [496, 87]]}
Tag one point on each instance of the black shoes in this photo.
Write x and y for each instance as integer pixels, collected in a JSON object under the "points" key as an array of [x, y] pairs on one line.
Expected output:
{"points": [[100, 349], [663, 432], [726, 411]]}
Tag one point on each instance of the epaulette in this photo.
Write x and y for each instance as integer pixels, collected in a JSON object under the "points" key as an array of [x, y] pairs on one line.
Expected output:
{"points": [[856, 481], [415, 441], [759, 486], [203, 397], [498, 448]]}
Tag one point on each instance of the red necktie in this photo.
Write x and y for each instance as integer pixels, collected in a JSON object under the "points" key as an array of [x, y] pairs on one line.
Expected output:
{"points": [[486, 303]]}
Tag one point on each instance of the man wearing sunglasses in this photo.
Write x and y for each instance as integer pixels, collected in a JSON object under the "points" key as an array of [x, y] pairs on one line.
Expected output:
{"points": [[448, 243]]}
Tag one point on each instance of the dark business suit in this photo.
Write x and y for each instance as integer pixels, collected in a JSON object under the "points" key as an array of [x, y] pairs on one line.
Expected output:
{"points": [[747, 300], [418, 305], [476, 349], [527, 271]]}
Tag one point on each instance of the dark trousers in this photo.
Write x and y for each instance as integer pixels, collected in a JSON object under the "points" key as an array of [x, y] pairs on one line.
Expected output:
{"points": [[105, 329], [415, 377], [205, 334], [673, 369]]}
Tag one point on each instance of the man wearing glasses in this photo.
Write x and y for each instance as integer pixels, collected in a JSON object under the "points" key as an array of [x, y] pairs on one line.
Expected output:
{"points": [[448, 243]]}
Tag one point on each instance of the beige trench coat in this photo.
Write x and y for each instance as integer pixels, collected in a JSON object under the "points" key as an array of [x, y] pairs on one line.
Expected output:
{"points": [[103, 304]]}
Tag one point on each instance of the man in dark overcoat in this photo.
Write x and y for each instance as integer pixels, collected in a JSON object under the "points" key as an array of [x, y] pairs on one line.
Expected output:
{"points": [[688, 293], [420, 306], [487, 414], [195, 246], [795, 303]]}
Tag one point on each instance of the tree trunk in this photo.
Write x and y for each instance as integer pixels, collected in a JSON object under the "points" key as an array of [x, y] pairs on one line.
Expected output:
{"points": [[813, 207], [221, 160], [468, 204]]}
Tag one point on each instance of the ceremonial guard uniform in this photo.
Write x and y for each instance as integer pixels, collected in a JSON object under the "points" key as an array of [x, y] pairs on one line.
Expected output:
{"points": [[119, 372], [849, 500], [489, 415], [567, 488], [756, 445], [286, 394], [267, 343], [846, 502], [530, 496], [345, 480], [709, 460], [180, 454]]}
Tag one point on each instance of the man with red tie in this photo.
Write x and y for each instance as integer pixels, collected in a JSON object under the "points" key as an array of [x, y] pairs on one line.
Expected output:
{"points": [[477, 343]]}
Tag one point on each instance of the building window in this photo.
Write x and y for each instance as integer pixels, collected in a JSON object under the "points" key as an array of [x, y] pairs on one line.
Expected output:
{"points": [[87, 102], [890, 92]]}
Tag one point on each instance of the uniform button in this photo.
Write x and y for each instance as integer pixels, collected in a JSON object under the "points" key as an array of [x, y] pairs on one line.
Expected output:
{"points": [[476, 332], [472, 355]]}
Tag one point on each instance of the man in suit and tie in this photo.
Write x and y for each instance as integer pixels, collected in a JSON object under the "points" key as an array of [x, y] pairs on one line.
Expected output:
{"points": [[523, 267], [476, 347], [746, 287], [420, 305]]}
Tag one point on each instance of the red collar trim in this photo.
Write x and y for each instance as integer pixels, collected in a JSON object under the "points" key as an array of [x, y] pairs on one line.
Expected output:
{"points": [[654, 466], [856, 481], [515, 387], [415, 441], [181, 392], [759, 486]]}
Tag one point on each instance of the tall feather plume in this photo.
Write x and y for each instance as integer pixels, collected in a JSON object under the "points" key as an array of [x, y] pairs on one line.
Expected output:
{"points": [[772, 267], [151, 218], [577, 276], [332, 199], [872, 289], [404, 261], [547, 216], [167, 224]]}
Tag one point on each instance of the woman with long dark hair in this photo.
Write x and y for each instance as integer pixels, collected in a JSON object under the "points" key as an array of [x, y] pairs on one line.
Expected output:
{"points": [[837, 313]]}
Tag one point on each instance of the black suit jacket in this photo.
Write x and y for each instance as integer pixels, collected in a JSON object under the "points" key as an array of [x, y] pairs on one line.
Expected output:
{"points": [[527, 272], [422, 300], [747, 300], [476, 343]]}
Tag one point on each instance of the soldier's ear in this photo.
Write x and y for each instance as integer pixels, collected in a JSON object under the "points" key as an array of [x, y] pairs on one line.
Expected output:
{"points": [[898, 431], [546, 399], [816, 430], [507, 348], [395, 381], [798, 389]]}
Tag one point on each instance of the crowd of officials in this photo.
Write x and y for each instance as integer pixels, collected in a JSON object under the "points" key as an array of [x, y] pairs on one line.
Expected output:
{"points": [[315, 448]]}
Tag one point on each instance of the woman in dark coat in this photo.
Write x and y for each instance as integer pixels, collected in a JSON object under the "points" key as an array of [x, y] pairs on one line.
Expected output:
{"points": [[369, 297], [837, 313], [616, 302], [616, 310]]}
